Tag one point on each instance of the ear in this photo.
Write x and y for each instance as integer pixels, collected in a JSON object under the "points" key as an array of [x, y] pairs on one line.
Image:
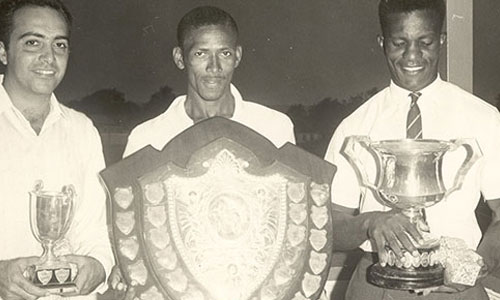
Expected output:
{"points": [[380, 41], [442, 39], [3, 53], [238, 54], [178, 58]]}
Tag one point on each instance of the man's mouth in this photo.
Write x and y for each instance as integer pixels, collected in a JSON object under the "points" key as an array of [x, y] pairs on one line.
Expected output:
{"points": [[213, 80], [413, 69], [45, 72]]}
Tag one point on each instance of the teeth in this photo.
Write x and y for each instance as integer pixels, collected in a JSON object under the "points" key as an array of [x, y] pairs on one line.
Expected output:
{"points": [[413, 69], [43, 72]]}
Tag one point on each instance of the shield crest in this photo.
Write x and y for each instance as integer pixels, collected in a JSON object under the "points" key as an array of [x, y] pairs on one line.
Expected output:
{"points": [[224, 216]]}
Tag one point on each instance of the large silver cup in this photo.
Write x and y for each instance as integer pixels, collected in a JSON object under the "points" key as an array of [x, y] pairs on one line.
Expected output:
{"points": [[51, 213], [409, 177]]}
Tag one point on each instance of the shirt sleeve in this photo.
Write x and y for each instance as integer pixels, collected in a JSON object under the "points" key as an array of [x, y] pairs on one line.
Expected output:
{"points": [[132, 145], [89, 234], [345, 189], [490, 187]]}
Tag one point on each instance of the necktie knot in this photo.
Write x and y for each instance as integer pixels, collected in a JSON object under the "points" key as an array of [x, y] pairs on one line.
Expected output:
{"points": [[414, 97]]}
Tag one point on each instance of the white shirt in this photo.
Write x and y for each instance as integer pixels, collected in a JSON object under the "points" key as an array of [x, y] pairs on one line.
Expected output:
{"points": [[157, 132], [68, 150], [448, 112]]}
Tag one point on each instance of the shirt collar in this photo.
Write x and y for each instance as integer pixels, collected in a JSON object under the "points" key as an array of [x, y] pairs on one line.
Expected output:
{"points": [[398, 93], [6, 103], [238, 103]]}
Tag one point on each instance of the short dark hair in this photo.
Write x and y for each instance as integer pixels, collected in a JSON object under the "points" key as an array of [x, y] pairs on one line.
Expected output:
{"points": [[9, 7], [388, 7], [203, 16]]}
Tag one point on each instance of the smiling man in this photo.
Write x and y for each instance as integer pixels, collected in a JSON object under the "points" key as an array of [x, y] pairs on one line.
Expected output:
{"points": [[44, 140], [417, 104], [208, 52]]}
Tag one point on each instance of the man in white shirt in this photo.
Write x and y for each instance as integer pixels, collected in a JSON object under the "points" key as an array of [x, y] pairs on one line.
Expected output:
{"points": [[208, 52], [411, 40], [44, 140]]}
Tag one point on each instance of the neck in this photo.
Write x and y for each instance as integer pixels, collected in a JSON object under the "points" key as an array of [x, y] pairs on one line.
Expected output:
{"points": [[199, 109], [34, 108]]}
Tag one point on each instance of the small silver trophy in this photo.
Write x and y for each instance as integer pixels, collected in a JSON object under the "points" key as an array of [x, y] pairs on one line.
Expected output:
{"points": [[409, 177], [51, 213]]}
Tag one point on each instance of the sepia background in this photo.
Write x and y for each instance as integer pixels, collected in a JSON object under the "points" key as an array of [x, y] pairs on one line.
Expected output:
{"points": [[317, 61]]}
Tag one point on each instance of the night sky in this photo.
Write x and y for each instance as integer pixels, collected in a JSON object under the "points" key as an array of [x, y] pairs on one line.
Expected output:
{"points": [[294, 51]]}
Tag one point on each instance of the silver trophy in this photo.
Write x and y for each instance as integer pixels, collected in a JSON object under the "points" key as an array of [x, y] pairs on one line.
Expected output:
{"points": [[409, 177], [51, 213]]}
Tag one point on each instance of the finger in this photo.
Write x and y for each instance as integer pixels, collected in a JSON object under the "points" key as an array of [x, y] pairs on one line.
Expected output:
{"points": [[414, 234], [382, 252], [406, 242], [16, 292], [394, 244], [33, 290]]}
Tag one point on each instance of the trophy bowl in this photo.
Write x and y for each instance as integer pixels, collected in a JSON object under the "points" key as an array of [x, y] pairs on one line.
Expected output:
{"points": [[409, 178], [51, 213]]}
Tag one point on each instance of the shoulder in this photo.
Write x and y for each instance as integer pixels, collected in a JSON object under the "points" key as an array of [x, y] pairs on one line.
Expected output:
{"points": [[366, 111], [160, 123], [259, 111], [462, 104], [77, 121]]}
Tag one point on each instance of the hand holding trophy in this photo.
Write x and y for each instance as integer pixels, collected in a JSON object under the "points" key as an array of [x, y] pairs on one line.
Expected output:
{"points": [[409, 178], [51, 213]]}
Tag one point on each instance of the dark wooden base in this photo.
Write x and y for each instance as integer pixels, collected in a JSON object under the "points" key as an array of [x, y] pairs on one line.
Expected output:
{"points": [[405, 279]]}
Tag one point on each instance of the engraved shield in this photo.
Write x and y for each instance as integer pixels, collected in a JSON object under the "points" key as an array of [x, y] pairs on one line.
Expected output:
{"points": [[220, 213]]}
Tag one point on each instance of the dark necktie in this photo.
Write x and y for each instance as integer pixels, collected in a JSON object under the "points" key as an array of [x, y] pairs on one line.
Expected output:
{"points": [[414, 120], [414, 131]]}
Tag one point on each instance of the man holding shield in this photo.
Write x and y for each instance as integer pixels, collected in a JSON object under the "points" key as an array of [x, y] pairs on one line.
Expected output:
{"points": [[412, 39]]}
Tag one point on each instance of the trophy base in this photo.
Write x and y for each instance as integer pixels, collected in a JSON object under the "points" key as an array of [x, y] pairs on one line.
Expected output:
{"points": [[405, 279], [56, 280]]}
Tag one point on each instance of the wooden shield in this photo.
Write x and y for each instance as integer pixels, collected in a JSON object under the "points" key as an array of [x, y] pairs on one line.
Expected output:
{"points": [[221, 213]]}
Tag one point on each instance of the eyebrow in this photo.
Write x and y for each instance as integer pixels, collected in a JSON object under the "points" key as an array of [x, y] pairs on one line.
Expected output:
{"points": [[39, 35]]}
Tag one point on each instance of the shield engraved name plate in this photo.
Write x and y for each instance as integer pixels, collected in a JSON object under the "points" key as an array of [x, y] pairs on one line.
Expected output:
{"points": [[220, 213]]}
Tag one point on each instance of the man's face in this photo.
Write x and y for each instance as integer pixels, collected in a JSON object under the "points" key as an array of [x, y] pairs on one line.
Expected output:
{"points": [[411, 44], [209, 55], [37, 53]]}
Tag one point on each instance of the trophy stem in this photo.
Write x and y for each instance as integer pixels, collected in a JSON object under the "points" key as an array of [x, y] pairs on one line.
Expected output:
{"points": [[414, 214], [48, 257]]}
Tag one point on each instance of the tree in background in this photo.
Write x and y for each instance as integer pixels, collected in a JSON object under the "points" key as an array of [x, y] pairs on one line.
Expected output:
{"points": [[158, 103], [314, 125]]}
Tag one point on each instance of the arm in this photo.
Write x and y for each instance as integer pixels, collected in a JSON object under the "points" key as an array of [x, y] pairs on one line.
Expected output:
{"points": [[390, 228], [489, 248], [89, 234]]}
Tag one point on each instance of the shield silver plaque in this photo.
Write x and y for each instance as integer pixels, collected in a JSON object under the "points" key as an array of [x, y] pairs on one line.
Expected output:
{"points": [[220, 213]]}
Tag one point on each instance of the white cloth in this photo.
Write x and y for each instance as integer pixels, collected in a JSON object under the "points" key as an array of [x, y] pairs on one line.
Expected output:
{"points": [[68, 150], [157, 132], [448, 112]]}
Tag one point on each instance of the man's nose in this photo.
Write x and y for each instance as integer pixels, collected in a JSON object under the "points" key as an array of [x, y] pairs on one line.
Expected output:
{"points": [[47, 55], [214, 64], [413, 51]]}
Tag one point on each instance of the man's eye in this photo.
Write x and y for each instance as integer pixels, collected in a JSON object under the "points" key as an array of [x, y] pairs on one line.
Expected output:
{"points": [[226, 53], [398, 43], [198, 53], [427, 42], [32, 43], [61, 45]]}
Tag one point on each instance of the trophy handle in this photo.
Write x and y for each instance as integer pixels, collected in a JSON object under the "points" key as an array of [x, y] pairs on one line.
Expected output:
{"points": [[351, 155], [473, 154], [69, 192]]}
